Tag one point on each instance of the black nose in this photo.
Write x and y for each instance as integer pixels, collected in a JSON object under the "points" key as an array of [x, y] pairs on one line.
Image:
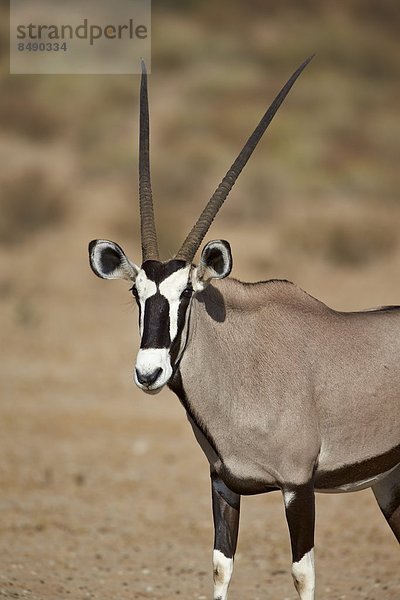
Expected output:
{"points": [[148, 378]]}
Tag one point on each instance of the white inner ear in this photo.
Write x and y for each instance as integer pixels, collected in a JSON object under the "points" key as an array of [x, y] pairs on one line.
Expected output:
{"points": [[126, 269], [204, 272]]}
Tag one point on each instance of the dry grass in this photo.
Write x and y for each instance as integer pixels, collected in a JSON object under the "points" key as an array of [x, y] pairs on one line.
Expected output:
{"points": [[344, 242], [29, 204]]}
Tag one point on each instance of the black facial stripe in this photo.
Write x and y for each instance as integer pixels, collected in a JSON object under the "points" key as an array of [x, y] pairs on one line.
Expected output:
{"points": [[156, 318], [156, 323], [136, 296], [176, 344]]}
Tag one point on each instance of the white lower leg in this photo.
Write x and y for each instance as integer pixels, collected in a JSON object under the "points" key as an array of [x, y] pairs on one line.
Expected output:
{"points": [[222, 571], [304, 576]]}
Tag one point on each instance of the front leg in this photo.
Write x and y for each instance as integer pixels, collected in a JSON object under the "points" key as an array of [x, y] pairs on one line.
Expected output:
{"points": [[300, 515], [226, 510]]}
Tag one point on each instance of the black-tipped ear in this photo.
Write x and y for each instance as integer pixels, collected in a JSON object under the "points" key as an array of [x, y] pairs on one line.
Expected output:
{"points": [[215, 262], [109, 261]]}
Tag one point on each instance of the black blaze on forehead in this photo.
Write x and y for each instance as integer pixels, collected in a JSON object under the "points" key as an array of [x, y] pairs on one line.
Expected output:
{"points": [[156, 323], [156, 326], [158, 271]]}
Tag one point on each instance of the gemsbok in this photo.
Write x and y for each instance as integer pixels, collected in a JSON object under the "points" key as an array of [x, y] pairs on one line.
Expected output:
{"points": [[282, 392]]}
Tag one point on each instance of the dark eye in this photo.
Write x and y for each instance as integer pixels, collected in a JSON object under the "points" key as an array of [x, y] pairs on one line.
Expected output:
{"points": [[134, 293], [187, 292]]}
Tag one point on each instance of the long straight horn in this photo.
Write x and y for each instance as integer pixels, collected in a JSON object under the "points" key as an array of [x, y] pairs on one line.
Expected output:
{"points": [[147, 224], [195, 237]]}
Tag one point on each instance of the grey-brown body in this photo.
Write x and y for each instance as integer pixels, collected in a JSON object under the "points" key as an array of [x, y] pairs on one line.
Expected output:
{"points": [[282, 392], [275, 365]]}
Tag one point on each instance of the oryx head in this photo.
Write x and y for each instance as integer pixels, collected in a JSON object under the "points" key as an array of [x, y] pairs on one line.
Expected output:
{"points": [[164, 290]]}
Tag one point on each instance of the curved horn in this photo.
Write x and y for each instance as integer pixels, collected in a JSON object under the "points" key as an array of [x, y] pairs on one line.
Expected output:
{"points": [[147, 224], [195, 237]]}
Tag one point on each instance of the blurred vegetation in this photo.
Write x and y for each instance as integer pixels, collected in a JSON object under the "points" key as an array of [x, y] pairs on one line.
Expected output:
{"points": [[352, 241], [215, 68], [31, 204]]}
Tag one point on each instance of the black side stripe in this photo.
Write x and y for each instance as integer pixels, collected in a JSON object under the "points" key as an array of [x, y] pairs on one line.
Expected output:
{"points": [[358, 471], [176, 385]]}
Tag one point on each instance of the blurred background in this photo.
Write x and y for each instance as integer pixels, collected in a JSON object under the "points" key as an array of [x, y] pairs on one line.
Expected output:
{"points": [[103, 490]]}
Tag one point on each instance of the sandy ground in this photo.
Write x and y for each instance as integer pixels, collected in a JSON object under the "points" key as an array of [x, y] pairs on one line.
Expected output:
{"points": [[104, 492]]}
